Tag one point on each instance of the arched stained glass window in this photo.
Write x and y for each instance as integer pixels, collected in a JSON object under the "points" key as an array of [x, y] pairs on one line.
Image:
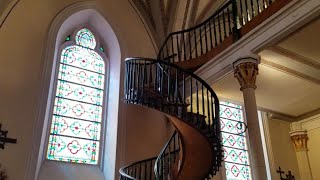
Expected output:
{"points": [[78, 102], [236, 158]]}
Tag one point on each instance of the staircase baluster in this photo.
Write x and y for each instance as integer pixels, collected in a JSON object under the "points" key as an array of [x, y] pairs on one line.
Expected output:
{"points": [[140, 171], [171, 59], [183, 94], [247, 10], [126, 83], [172, 49], [200, 40], [206, 36], [264, 4], [191, 100], [258, 7], [176, 93], [134, 82], [215, 32], [150, 171], [155, 80], [169, 88], [190, 52], [224, 24], [145, 170], [208, 107], [217, 118], [235, 30], [252, 9], [197, 92], [163, 167], [195, 42], [138, 86], [145, 77], [161, 78], [220, 36], [174, 148], [178, 47], [213, 115], [184, 47], [169, 162], [210, 35], [229, 20], [203, 110], [241, 16], [129, 81], [135, 171]]}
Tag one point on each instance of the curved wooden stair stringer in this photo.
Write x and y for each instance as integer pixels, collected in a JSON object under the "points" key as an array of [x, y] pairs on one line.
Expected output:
{"points": [[197, 153]]}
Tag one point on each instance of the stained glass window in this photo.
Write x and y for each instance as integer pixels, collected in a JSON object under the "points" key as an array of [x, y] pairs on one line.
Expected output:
{"points": [[235, 148], [77, 112]]}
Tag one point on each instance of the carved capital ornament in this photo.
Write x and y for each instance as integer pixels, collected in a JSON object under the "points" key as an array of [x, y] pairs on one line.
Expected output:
{"points": [[300, 142], [246, 74]]}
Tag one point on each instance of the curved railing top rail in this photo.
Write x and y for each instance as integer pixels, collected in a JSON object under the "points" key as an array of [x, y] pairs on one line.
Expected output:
{"points": [[195, 27], [224, 27], [122, 169], [162, 153], [153, 61]]}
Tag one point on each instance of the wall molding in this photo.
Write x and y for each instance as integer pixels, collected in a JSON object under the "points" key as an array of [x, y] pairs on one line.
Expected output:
{"points": [[296, 57], [311, 123], [289, 71]]}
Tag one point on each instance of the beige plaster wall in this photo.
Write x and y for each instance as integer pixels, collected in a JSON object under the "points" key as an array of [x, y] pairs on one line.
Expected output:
{"points": [[313, 153], [282, 148], [3, 5], [312, 125], [23, 38]]}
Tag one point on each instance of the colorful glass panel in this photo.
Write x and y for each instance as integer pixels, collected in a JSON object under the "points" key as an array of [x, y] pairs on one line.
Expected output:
{"points": [[86, 39], [237, 172], [77, 112], [235, 147]]}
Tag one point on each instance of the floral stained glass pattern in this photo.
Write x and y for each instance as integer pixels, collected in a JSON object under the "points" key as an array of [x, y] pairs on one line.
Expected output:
{"points": [[77, 112], [85, 38], [234, 142]]}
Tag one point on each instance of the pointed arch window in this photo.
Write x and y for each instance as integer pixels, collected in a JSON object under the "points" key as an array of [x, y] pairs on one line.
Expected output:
{"points": [[76, 116]]}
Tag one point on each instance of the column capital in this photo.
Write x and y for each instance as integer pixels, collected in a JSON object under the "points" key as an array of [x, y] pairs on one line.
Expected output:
{"points": [[246, 70], [300, 140]]}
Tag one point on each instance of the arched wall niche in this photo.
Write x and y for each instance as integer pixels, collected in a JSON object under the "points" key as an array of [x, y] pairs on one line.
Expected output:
{"points": [[64, 24]]}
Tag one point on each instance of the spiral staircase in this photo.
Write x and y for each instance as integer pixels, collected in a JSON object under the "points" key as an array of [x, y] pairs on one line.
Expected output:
{"points": [[168, 84]]}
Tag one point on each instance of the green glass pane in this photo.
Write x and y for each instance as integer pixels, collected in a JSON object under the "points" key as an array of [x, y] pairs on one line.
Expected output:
{"points": [[68, 38]]}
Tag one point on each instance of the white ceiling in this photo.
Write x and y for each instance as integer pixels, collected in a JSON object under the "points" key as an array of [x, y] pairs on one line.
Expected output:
{"points": [[289, 76]]}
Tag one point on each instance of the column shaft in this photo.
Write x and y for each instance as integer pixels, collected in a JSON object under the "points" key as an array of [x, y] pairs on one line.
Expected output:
{"points": [[255, 142]]}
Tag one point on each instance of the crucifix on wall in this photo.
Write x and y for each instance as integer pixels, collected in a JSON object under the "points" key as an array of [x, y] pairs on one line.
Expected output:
{"points": [[4, 139]]}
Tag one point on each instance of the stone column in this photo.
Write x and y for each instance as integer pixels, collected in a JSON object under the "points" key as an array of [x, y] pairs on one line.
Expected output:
{"points": [[300, 138], [246, 71]]}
